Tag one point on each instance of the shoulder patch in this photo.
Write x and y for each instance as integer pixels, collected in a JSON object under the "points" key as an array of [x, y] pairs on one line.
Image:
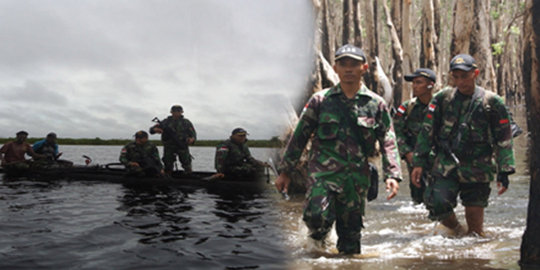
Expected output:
{"points": [[432, 107]]}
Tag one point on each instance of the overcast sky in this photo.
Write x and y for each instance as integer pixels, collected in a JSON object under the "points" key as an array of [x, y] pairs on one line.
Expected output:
{"points": [[88, 69]]}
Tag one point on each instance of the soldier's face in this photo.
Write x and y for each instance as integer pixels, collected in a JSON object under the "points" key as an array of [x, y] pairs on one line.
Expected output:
{"points": [[21, 138], [239, 138], [350, 70], [465, 80], [141, 140], [176, 114], [420, 86]]}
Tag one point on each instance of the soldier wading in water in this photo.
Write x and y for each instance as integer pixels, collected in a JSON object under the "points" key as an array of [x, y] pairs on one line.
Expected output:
{"points": [[469, 128], [346, 121]]}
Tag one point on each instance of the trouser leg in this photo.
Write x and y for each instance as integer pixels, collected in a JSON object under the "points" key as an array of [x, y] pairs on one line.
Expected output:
{"points": [[319, 211]]}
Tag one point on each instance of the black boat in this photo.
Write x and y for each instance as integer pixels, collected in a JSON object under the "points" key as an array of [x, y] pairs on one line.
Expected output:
{"points": [[115, 173]]}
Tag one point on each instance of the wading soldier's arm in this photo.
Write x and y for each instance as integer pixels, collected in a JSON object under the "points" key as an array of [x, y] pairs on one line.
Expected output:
{"points": [[425, 140], [502, 143], [306, 126], [390, 154]]}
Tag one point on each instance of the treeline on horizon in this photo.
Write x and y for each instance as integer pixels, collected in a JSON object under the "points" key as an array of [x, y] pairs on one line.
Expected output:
{"points": [[274, 142]]}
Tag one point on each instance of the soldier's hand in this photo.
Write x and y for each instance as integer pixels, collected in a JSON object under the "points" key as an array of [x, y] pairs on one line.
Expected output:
{"points": [[282, 183], [190, 140], [502, 182], [133, 164], [392, 186], [416, 175], [158, 130]]}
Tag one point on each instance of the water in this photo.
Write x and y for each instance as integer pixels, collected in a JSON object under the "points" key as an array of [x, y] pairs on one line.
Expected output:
{"points": [[398, 235], [93, 225]]}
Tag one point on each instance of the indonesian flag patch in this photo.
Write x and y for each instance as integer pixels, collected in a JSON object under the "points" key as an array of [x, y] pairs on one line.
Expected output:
{"points": [[401, 110], [223, 148], [432, 107], [429, 115], [503, 121]]}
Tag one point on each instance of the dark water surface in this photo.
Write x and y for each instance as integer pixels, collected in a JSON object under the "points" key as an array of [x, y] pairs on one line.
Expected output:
{"points": [[96, 225]]}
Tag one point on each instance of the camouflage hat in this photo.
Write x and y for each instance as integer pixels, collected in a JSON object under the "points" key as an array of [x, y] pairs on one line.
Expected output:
{"points": [[463, 62], [239, 131], [177, 108], [141, 134], [350, 51], [22, 132], [422, 72]]}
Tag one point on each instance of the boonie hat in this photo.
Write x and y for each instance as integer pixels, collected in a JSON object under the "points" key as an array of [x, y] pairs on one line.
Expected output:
{"points": [[177, 108], [239, 131], [22, 132], [350, 51], [422, 72], [141, 134], [463, 62]]}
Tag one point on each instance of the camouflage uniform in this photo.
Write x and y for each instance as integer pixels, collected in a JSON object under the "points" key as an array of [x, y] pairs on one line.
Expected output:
{"points": [[146, 155], [182, 128], [235, 159], [344, 135], [473, 133], [408, 124]]}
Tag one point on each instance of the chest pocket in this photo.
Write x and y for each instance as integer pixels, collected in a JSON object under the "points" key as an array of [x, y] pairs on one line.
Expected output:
{"points": [[479, 126], [366, 127], [328, 127]]}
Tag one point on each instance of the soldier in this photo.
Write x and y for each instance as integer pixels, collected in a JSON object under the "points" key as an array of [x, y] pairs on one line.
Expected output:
{"points": [[233, 158], [466, 125], [141, 157], [345, 121], [12, 153], [49, 148], [177, 133], [408, 121]]}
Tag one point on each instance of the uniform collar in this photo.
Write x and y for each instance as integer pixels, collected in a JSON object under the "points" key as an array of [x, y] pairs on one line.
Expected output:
{"points": [[363, 91]]}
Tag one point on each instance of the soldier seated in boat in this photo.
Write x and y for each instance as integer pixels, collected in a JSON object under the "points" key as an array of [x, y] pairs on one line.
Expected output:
{"points": [[234, 160], [48, 147], [141, 157], [12, 154]]}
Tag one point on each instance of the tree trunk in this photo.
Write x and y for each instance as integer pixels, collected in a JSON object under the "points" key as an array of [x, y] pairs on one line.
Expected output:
{"points": [[480, 46], [397, 53], [357, 25], [406, 37], [530, 245], [371, 47], [328, 37], [471, 36], [346, 38], [428, 58]]}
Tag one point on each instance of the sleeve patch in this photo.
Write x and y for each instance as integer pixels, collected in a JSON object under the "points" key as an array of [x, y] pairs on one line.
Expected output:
{"points": [[429, 115], [432, 107], [401, 109], [223, 149], [504, 121]]}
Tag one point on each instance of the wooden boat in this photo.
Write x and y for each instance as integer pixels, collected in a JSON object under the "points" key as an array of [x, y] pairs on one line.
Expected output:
{"points": [[115, 173]]}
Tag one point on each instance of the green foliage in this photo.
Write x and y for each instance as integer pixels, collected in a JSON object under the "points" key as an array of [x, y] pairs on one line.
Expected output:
{"points": [[497, 48], [515, 30], [495, 14]]}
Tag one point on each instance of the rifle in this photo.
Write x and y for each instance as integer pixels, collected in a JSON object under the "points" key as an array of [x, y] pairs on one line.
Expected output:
{"points": [[169, 133]]}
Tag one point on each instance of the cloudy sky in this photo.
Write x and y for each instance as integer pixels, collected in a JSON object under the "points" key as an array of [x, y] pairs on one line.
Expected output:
{"points": [[102, 68]]}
